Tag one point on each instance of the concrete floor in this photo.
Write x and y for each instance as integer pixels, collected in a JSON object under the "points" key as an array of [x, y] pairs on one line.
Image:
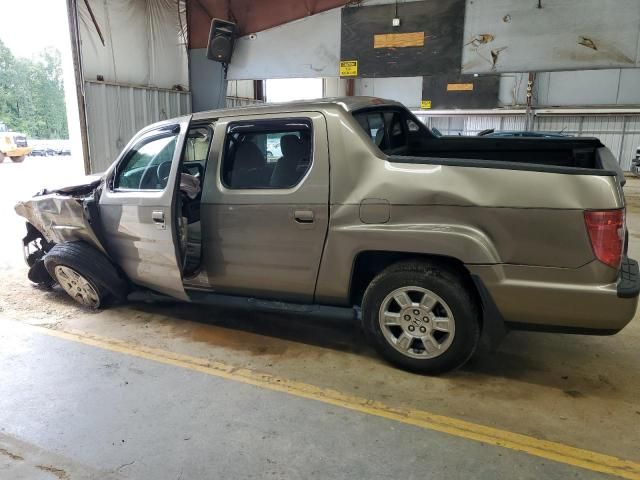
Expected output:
{"points": [[86, 412]]}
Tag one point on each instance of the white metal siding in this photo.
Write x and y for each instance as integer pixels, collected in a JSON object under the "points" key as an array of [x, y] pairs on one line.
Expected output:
{"points": [[117, 112], [618, 132]]}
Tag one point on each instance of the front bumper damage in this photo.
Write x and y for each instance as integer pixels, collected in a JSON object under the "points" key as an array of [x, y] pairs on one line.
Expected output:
{"points": [[61, 218], [58, 216]]}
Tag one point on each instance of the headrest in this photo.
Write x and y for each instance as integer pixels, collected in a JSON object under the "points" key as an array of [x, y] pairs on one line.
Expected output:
{"points": [[248, 155], [294, 147]]}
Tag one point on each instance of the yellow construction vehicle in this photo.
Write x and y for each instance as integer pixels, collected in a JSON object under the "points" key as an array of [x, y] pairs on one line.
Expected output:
{"points": [[13, 145]]}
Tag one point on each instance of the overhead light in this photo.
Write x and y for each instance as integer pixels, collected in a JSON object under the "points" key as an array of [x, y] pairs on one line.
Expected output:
{"points": [[395, 22]]}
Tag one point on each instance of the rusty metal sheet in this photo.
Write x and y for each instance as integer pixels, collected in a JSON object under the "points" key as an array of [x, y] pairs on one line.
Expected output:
{"points": [[517, 36]]}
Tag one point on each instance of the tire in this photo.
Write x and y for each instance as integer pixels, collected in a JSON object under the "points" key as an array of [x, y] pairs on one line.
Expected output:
{"points": [[436, 298], [85, 274], [19, 159], [2, 155]]}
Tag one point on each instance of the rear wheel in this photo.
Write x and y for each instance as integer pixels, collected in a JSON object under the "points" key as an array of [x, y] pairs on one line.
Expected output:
{"points": [[85, 274], [2, 155], [17, 159], [422, 317]]}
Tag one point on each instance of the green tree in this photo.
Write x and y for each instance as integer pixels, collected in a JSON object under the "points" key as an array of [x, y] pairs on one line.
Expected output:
{"points": [[32, 94]]}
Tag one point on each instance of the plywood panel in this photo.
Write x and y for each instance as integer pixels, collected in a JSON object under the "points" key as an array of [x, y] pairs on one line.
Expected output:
{"points": [[459, 87], [382, 50], [388, 40]]}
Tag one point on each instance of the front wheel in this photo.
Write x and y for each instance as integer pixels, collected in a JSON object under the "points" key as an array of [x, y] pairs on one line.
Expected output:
{"points": [[85, 274], [79, 287], [422, 317], [19, 159]]}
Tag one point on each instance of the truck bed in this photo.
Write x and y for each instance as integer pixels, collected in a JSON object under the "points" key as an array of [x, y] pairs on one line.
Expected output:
{"points": [[573, 156], [387, 128], [560, 152]]}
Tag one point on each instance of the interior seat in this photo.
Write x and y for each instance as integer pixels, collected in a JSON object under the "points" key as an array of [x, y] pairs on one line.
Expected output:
{"points": [[248, 167], [294, 162]]}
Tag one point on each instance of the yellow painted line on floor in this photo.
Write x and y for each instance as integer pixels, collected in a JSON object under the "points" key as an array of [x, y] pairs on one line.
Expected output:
{"points": [[558, 452]]}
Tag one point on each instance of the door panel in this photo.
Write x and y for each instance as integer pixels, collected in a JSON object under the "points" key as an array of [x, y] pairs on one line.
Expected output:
{"points": [[266, 242], [139, 225]]}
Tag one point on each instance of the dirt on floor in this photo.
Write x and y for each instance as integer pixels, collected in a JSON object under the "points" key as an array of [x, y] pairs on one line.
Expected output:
{"points": [[580, 390]]}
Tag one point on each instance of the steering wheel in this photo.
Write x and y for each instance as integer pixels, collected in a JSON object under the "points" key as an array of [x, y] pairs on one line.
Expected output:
{"points": [[162, 173]]}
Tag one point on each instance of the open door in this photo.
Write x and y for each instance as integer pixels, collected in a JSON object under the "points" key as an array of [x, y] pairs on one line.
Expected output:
{"points": [[138, 208]]}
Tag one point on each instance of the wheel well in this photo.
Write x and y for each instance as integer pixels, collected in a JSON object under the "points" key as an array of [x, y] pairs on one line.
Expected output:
{"points": [[369, 263]]}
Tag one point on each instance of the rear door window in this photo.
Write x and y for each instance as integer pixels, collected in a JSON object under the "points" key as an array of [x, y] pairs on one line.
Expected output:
{"points": [[266, 154]]}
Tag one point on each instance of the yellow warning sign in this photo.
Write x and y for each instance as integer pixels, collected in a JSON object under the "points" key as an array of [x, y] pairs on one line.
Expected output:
{"points": [[349, 68], [425, 104]]}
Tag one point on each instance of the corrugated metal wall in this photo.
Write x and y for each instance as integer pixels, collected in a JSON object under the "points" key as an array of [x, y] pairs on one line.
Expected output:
{"points": [[621, 133], [116, 112]]}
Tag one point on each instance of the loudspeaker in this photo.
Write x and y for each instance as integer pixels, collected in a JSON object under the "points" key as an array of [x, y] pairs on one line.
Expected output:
{"points": [[221, 39]]}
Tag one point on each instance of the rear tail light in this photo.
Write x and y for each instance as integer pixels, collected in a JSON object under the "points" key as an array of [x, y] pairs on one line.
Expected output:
{"points": [[606, 231]]}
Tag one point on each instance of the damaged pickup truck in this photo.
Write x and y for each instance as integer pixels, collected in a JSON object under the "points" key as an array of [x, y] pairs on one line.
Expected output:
{"points": [[438, 240]]}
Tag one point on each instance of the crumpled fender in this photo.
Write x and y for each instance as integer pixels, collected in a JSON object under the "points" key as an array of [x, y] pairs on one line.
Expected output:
{"points": [[61, 218]]}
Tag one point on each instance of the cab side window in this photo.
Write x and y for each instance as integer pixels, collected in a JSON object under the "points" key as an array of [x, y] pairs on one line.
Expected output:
{"points": [[147, 165], [267, 154]]}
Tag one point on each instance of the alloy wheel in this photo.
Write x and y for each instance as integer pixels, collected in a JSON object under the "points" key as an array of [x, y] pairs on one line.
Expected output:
{"points": [[78, 287], [417, 322]]}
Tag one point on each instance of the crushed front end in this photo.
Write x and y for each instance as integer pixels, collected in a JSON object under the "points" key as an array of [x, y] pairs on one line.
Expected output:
{"points": [[57, 216]]}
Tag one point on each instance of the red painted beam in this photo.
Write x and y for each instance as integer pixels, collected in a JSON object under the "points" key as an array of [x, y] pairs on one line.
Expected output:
{"points": [[250, 15]]}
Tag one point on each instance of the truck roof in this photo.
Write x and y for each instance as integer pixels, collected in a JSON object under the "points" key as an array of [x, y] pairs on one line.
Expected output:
{"points": [[347, 104]]}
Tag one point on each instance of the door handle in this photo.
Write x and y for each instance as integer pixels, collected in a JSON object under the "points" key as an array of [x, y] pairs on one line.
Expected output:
{"points": [[158, 218], [303, 216]]}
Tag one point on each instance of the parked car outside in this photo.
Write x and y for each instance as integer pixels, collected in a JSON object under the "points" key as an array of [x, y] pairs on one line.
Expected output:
{"points": [[39, 152], [437, 241]]}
